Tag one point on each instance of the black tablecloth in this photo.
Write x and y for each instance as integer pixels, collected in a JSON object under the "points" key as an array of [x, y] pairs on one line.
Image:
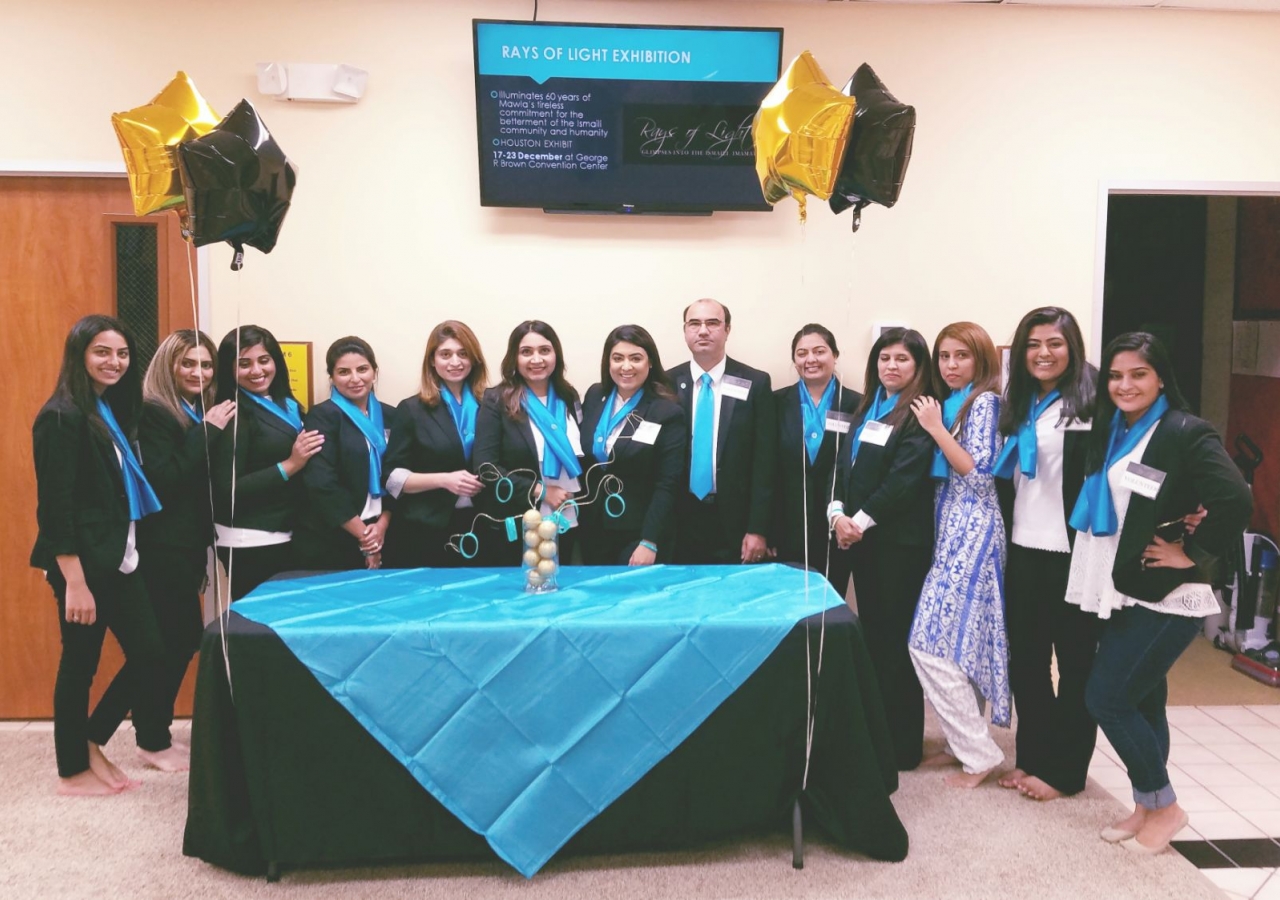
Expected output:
{"points": [[282, 773]]}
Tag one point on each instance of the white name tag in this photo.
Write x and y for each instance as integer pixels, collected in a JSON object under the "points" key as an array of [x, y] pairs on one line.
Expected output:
{"points": [[839, 422], [1076, 425], [876, 433], [737, 388], [386, 434], [646, 432], [1142, 480]]}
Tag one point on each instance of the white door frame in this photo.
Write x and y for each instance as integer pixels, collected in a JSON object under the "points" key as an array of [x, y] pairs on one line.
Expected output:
{"points": [[74, 169], [1107, 187]]}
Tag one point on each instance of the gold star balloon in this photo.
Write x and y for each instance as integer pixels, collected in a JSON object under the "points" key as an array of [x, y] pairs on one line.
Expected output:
{"points": [[149, 137], [800, 133]]}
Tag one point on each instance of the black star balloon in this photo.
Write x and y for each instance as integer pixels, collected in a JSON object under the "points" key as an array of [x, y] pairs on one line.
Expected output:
{"points": [[237, 182], [879, 148]]}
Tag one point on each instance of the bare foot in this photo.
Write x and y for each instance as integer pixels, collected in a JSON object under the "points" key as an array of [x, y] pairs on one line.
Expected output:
{"points": [[168, 760], [1012, 779], [107, 771], [965, 780], [1036, 789], [939, 761], [1133, 824], [85, 784], [1160, 827]]}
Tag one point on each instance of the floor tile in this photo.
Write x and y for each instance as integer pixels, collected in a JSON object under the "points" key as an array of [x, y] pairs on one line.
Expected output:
{"points": [[1182, 754], [1203, 855], [13, 725], [1218, 734], [1265, 774], [1215, 825], [1250, 853], [1270, 713], [39, 726], [1212, 776], [1263, 735], [1189, 715], [1239, 881], [1196, 799], [1242, 753], [1234, 715], [1110, 777], [1266, 819], [1247, 798], [1189, 834], [1124, 795], [1270, 890], [1101, 757], [1178, 736]]}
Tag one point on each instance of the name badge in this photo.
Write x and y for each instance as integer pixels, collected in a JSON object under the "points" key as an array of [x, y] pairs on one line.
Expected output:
{"points": [[386, 434], [839, 422], [1076, 425], [646, 432], [1142, 480], [737, 388], [876, 433]]}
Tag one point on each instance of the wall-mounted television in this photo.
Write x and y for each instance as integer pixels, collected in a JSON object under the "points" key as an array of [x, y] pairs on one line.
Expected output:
{"points": [[624, 119]]}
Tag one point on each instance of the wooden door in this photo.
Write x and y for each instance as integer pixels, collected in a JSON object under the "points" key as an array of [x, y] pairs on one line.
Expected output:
{"points": [[63, 255]]}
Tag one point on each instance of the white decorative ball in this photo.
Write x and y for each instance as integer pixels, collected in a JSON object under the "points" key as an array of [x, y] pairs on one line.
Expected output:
{"points": [[532, 518], [531, 558], [548, 549], [534, 577], [531, 537], [547, 529], [547, 567]]}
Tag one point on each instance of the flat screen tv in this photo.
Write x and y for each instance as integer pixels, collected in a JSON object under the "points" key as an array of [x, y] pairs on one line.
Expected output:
{"points": [[624, 119]]}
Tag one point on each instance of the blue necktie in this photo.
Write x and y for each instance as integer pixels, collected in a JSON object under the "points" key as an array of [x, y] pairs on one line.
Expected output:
{"points": [[701, 479]]}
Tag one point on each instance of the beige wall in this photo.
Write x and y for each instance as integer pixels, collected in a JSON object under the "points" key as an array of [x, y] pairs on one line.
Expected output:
{"points": [[1021, 113]]}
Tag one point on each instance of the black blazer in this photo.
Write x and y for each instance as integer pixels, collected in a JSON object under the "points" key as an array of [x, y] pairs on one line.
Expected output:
{"points": [[337, 478], [81, 508], [507, 444], [264, 500], [891, 483], [424, 439], [175, 461], [744, 452], [650, 473], [791, 480], [1197, 472]]}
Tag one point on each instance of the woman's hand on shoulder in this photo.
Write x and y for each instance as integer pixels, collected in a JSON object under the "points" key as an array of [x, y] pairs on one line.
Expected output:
{"points": [[928, 413], [220, 414]]}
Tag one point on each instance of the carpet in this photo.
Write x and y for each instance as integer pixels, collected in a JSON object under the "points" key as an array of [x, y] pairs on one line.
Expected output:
{"points": [[964, 844]]}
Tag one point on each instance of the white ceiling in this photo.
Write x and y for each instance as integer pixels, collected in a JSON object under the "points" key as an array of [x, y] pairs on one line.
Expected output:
{"points": [[1216, 5]]}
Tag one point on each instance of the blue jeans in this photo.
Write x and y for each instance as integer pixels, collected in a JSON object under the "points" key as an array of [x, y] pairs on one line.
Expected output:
{"points": [[1126, 694]]}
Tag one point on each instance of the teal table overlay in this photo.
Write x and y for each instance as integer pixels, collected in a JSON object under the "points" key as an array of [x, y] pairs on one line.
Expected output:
{"points": [[527, 714]]}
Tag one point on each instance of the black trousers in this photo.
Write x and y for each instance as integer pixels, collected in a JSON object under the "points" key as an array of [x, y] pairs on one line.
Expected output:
{"points": [[173, 577], [824, 557], [700, 538], [413, 545], [887, 578], [122, 606], [1056, 734], [254, 565]]}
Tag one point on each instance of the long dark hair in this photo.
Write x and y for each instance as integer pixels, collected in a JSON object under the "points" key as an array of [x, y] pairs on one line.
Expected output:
{"points": [[344, 345], [657, 382], [513, 384], [1155, 354], [229, 360], [75, 387], [920, 385], [1077, 384], [821, 331]]}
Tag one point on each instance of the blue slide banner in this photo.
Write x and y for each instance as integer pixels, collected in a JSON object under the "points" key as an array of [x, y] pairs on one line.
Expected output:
{"points": [[541, 52]]}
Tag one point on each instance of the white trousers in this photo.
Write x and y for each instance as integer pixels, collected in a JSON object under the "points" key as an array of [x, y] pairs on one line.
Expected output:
{"points": [[959, 706]]}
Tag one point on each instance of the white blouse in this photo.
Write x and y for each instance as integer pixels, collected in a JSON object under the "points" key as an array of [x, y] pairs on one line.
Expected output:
{"points": [[1090, 585], [1039, 518]]}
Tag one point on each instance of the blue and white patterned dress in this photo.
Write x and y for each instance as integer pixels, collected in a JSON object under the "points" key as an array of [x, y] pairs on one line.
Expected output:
{"points": [[960, 617]]}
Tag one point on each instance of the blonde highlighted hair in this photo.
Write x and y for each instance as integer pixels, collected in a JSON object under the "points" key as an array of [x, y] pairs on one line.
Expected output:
{"points": [[160, 386], [477, 378]]}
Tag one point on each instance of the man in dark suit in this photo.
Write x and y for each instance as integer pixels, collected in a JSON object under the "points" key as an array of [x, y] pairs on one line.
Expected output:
{"points": [[724, 511]]}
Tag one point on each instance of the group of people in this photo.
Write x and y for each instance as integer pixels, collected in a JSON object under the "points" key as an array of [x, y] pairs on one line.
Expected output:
{"points": [[985, 530]]}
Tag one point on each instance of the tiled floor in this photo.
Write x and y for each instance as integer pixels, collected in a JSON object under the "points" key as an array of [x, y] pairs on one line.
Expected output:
{"points": [[1224, 763]]}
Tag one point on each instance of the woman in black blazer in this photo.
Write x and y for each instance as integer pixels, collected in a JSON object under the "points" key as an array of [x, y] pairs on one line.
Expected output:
{"points": [[635, 430], [91, 494], [511, 446], [813, 419], [262, 453], [1045, 421], [429, 458], [345, 513], [883, 515], [1150, 465], [178, 413]]}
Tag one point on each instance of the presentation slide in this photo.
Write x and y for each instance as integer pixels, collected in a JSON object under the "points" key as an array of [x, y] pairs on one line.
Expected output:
{"points": [[607, 117]]}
